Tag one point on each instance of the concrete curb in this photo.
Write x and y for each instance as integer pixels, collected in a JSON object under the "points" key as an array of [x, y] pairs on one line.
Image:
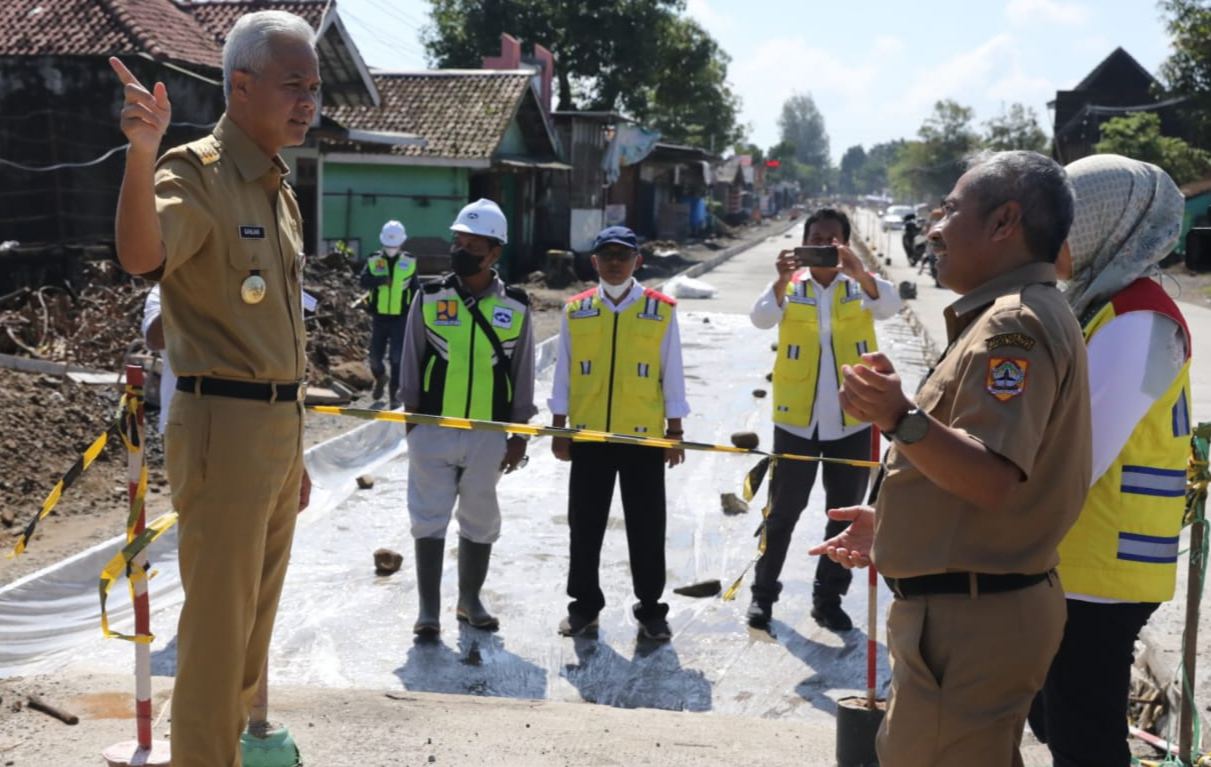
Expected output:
{"points": [[729, 253]]}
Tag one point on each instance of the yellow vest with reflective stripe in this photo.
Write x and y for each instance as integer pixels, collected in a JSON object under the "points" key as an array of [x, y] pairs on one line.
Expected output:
{"points": [[1124, 545], [392, 299], [460, 374], [614, 374], [797, 367]]}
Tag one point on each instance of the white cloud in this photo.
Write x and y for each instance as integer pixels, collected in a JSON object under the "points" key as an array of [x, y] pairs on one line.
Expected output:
{"points": [[888, 45], [1026, 12]]}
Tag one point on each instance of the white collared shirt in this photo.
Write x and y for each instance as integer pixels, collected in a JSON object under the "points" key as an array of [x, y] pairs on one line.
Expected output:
{"points": [[672, 375], [826, 417]]}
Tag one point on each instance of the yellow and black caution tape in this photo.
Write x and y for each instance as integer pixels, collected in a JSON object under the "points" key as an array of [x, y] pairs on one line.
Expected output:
{"points": [[752, 484], [122, 564], [578, 435], [79, 467]]}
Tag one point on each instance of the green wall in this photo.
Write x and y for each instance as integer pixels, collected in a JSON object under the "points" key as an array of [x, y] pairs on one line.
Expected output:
{"points": [[363, 213]]}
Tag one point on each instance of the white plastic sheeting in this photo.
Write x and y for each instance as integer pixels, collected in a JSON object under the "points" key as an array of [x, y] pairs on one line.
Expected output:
{"points": [[340, 625]]}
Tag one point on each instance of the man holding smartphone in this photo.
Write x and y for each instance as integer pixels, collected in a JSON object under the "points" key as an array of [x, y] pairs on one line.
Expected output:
{"points": [[824, 304]]}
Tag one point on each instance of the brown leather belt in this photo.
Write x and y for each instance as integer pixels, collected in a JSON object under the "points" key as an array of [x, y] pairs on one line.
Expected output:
{"points": [[962, 583], [255, 390]]}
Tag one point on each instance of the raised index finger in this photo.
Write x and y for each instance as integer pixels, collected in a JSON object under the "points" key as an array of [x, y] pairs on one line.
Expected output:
{"points": [[122, 72]]}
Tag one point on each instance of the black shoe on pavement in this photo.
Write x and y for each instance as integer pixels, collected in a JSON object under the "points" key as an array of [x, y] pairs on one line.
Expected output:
{"points": [[759, 614], [575, 626], [829, 615], [655, 629], [380, 385]]}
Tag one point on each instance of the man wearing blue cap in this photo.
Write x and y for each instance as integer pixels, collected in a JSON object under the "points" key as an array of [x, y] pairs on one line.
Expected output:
{"points": [[619, 370]]}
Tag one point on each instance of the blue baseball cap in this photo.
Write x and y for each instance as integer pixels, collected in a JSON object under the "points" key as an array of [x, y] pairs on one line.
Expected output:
{"points": [[615, 235]]}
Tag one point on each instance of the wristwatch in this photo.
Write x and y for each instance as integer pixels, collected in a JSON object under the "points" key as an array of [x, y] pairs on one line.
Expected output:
{"points": [[912, 427]]}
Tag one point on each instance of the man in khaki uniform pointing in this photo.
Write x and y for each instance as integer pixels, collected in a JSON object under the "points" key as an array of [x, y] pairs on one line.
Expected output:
{"points": [[987, 471], [216, 224]]}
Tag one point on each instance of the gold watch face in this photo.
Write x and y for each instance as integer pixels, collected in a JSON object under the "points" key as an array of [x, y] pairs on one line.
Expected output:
{"points": [[252, 290]]}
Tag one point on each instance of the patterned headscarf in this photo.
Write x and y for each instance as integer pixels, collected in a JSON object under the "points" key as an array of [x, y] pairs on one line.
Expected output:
{"points": [[1128, 217]]}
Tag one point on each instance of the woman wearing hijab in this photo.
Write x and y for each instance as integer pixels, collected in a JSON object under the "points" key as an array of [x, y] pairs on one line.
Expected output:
{"points": [[1119, 562]]}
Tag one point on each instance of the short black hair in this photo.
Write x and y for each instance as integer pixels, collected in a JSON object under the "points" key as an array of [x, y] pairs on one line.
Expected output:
{"points": [[1037, 183], [828, 214]]}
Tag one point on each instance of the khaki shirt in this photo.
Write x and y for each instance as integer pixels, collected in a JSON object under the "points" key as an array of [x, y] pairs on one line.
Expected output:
{"points": [[225, 214], [1014, 378]]}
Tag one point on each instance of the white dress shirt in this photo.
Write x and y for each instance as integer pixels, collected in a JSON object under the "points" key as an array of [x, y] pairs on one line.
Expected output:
{"points": [[826, 416], [672, 375], [168, 379], [1133, 360]]}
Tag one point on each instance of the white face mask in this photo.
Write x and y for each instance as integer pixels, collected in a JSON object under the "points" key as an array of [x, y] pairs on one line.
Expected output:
{"points": [[391, 250], [616, 291]]}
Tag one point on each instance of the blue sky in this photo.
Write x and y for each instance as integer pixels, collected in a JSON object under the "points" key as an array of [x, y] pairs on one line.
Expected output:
{"points": [[874, 67]]}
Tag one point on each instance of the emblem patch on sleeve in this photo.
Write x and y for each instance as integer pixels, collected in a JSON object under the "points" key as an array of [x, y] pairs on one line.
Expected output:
{"points": [[1006, 377]]}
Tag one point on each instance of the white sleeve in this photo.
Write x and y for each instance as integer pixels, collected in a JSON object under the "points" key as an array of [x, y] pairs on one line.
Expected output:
{"points": [[558, 402], [888, 302], [766, 313], [151, 309], [673, 383], [1132, 362]]}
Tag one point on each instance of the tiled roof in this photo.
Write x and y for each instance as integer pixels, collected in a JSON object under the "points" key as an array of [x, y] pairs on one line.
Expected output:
{"points": [[102, 27], [462, 114], [185, 31]]}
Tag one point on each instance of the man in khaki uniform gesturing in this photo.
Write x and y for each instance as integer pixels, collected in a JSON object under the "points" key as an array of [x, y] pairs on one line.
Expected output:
{"points": [[987, 471], [216, 224]]}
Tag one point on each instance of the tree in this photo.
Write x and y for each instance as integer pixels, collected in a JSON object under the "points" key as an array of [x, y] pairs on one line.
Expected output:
{"points": [[1017, 128], [852, 163], [1187, 72], [873, 178], [638, 56], [802, 126], [1138, 136], [930, 167]]}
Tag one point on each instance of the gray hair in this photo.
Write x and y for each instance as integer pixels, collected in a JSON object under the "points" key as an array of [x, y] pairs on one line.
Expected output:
{"points": [[247, 45], [1038, 184]]}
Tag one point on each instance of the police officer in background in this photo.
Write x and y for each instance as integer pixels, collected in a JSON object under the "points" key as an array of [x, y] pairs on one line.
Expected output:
{"points": [[468, 353], [216, 224], [390, 276], [987, 471]]}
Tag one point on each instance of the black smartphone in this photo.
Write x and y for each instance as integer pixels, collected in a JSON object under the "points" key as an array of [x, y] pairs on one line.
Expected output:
{"points": [[824, 256]]}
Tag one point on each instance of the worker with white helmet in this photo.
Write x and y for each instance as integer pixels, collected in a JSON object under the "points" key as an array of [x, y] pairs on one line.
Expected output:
{"points": [[468, 353], [390, 276]]}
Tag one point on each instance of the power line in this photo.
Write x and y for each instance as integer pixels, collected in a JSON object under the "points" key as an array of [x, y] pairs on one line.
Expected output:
{"points": [[62, 165]]}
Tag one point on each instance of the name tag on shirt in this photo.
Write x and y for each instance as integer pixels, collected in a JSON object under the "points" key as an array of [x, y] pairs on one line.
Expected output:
{"points": [[310, 302], [249, 232]]}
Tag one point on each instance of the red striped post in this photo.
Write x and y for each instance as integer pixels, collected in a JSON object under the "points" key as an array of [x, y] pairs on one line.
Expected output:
{"points": [[872, 618]]}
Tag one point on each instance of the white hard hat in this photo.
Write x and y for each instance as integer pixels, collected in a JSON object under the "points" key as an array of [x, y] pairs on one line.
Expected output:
{"points": [[482, 217], [393, 234]]}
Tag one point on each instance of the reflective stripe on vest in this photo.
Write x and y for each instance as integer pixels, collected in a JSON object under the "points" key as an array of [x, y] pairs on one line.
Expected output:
{"points": [[461, 376], [615, 378], [797, 367], [393, 298], [1124, 545]]}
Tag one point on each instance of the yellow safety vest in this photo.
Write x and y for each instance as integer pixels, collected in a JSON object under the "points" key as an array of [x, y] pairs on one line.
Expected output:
{"points": [[1124, 545], [797, 367], [461, 374], [614, 374], [394, 298]]}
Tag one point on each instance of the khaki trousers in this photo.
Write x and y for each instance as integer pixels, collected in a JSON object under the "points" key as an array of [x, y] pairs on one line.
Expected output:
{"points": [[235, 467], [964, 671]]}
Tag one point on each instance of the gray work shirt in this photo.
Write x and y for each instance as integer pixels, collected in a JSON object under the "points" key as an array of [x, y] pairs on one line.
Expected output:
{"points": [[522, 363]]}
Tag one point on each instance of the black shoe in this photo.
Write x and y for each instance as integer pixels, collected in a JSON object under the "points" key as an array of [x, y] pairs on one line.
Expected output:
{"points": [[655, 629], [576, 625], [380, 385], [759, 614], [832, 617], [395, 404]]}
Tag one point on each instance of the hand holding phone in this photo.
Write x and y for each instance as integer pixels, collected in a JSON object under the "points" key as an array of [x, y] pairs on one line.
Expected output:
{"points": [[819, 256]]}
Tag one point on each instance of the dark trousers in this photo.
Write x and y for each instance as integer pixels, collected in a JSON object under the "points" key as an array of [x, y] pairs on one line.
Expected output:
{"points": [[1081, 712], [791, 486], [640, 472], [387, 339]]}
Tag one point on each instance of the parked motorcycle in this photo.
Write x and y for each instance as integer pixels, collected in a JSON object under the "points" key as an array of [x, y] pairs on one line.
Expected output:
{"points": [[913, 240]]}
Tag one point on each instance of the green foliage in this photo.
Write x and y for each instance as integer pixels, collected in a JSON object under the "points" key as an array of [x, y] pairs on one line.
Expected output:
{"points": [[802, 126], [641, 57], [1017, 128], [929, 167], [1187, 71], [852, 163], [1139, 136]]}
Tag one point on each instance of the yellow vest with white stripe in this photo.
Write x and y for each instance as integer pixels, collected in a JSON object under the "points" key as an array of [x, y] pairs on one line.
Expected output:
{"points": [[797, 368], [1124, 545], [614, 374], [461, 375], [393, 298]]}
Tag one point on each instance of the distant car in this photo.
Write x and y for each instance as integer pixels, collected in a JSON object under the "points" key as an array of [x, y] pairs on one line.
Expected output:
{"points": [[893, 218]]}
